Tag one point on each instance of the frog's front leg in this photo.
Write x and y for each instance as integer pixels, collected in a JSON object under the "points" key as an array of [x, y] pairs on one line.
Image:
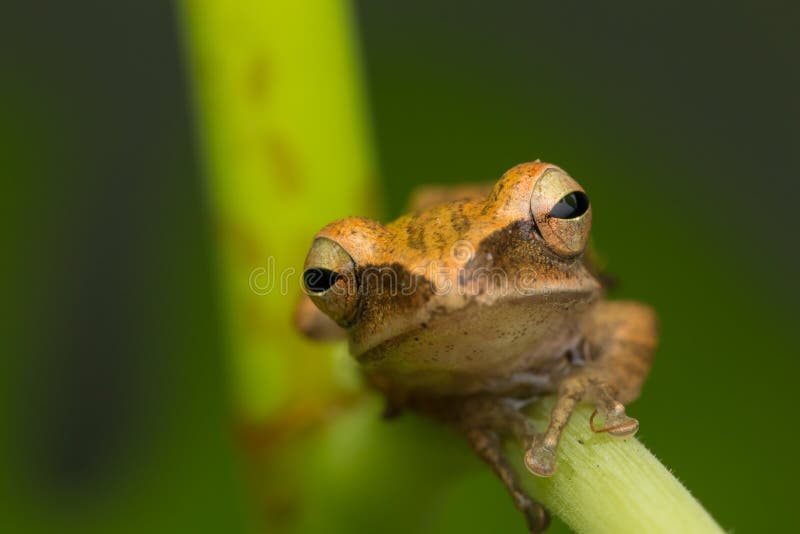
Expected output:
{"points": [[484, 420], [312, 322], [620, 338]]}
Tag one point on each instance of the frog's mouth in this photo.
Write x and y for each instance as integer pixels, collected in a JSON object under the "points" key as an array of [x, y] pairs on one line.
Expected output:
{"points": [[489, 315]]}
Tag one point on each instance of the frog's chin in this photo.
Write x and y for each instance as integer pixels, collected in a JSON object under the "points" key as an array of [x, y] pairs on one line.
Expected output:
{"points": [[479, 341]]}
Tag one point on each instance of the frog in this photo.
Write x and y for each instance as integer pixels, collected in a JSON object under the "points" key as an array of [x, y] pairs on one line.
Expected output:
{"points": [[479, 302]]}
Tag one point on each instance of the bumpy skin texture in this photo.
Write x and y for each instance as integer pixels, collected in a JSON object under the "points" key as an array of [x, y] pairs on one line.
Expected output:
{"points": [[478, 300]]}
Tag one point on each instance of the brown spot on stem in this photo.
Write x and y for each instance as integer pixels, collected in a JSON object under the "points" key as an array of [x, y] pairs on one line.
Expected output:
{"points": [[283, 163], [258, 79], [247, 248]]}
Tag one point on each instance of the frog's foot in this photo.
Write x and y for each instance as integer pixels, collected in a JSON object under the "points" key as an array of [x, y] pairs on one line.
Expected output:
{"points": [[617, 423], [537, 517], [541, 460]]}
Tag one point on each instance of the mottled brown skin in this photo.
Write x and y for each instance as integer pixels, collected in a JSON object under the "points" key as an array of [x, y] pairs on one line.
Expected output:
{"points": [[476, 302]]}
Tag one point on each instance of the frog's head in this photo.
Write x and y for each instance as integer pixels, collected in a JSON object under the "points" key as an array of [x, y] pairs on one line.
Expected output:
{"points": [[521, 243]]}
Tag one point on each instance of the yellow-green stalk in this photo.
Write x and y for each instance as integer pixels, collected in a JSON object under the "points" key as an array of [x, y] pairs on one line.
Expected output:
{"points": [[605, 485], [283, 128]]}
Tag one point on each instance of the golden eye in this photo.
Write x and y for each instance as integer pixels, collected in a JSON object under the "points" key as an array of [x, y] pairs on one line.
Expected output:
{"points": [[562, 212], [329, 279]]}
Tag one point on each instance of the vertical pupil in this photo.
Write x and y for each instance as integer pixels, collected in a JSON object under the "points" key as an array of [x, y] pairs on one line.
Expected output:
{"points": [[570, 206], [317, 279]]}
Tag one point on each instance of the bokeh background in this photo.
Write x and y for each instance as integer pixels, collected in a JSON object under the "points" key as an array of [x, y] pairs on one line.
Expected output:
{"points": [[680, 119]]}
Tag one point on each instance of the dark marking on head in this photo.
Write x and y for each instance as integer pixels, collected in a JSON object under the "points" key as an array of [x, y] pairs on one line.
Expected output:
{"points": [[515, 247], [391, 287], [416, 235], [459, 221], [440, 239], [391, 291]]}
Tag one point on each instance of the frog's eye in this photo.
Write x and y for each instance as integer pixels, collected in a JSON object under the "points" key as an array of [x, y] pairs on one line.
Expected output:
{"points": [[318, 279], [571, 206], [329, 279], [562, 212]]}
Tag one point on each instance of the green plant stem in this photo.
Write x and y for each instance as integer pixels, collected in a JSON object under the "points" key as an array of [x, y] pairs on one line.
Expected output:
{"points": [[286, 148], [606, 485]]}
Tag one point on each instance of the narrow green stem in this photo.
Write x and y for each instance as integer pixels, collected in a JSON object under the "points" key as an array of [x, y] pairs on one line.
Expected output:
{"points": [[286, 148], [605, 485]]}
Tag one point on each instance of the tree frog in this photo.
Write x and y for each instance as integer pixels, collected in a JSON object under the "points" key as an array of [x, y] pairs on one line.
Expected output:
{"points": [[479, 302]]}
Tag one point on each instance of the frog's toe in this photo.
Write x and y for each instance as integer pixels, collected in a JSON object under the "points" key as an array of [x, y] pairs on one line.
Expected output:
{"points": [[625, 428], [617, 424], [541, 460], [537, 517]]}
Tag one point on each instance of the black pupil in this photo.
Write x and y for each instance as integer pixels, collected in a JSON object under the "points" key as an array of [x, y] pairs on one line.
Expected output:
{"points": [[572, 205], [318, 279]]}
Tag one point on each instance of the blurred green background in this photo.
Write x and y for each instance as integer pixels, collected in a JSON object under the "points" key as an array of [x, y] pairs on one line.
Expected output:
{"points": [[680, 120]]}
